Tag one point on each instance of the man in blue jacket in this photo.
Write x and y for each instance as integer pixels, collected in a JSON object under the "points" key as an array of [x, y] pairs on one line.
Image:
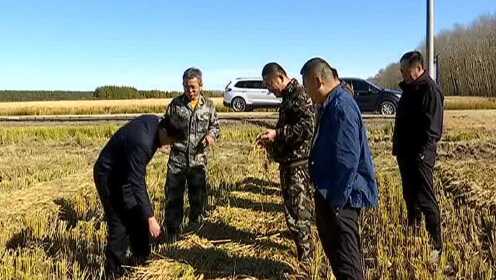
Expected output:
{"points": [[341, 168]]}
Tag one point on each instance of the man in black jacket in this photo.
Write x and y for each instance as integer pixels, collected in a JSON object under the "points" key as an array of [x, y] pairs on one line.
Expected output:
{"points": [[119, 175], [418, 128]]}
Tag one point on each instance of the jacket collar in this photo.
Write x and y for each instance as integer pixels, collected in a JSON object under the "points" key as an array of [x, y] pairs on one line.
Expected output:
{"points": [[332, 95], [417, 84], [186, 101], [291, 86]]}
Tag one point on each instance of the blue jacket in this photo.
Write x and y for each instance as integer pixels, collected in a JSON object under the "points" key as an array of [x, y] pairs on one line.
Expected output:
{"points": [[341, 163]]}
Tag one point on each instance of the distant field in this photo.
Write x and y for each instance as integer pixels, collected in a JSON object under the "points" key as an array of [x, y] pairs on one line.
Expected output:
{"points": [[101, 93], [133, 106], [469, 103], [91, 107]]}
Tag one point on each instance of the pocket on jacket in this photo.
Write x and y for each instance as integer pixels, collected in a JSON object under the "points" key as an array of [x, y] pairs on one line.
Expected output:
{"points": [[202, 120], [128, 198], [428, 158], [180, 118]]}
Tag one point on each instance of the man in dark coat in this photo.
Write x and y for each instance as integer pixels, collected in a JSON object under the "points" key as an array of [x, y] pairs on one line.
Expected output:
{"points": [[418, 128], [119, 175]]}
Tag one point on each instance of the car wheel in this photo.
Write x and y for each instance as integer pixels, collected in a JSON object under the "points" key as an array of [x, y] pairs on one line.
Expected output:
{"points": [[238, 104], [387, 108]]}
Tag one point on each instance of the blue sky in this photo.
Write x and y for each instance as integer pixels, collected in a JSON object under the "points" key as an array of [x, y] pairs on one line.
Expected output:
{"points": [[80, 45]]}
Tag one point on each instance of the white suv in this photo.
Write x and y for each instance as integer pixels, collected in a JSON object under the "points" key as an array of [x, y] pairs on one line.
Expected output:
{"points": [[244, 94]]}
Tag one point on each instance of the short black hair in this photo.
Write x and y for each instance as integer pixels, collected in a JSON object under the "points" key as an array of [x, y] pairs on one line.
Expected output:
{"points": [[319, 64], [412, 58], [170, 128], [273, 68], [192, 73]]}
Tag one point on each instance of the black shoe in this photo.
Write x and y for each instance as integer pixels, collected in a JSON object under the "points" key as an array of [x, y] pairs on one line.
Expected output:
{"points": [[172, 237], [195, 224], [114, 273], [113, 268], [137, 260]]}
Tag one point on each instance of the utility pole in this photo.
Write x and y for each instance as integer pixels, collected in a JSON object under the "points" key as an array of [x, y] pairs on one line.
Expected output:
{"points": [[430, 39]]}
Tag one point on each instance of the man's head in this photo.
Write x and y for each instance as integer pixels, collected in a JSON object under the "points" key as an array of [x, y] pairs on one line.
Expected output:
{"points": [[192, 83], [275, 78], [319, 78], [412, 66], [167, 132]]}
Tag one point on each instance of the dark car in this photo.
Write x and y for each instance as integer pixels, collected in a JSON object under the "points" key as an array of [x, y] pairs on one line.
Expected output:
{"points": [[373, 98]]}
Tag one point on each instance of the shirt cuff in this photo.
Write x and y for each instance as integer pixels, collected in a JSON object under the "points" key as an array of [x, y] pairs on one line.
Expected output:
{"points": [[147, 211]]}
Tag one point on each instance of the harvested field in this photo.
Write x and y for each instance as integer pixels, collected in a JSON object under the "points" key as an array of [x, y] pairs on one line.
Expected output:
{"points": [[51, 224], [132, 106]]}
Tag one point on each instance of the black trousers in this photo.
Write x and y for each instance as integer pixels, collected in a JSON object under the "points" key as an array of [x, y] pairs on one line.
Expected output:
{"points": [[175, 185], [339, 234], [126, 228], [418, 192]]}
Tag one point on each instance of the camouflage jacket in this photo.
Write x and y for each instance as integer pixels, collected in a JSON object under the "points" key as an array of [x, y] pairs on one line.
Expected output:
{"points": [[294, 129], [194, 125]]}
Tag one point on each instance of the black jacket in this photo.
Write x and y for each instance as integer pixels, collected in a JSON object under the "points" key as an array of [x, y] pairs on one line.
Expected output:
{"points": [[120, 170], [419, 118]]}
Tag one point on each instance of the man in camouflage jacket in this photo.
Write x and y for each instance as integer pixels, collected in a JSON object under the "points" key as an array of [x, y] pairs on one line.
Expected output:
{"points": [[196, 119], [289, 145]]}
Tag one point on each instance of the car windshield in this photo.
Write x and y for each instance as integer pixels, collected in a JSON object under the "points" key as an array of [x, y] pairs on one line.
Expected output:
{"points": [[228, 84]]}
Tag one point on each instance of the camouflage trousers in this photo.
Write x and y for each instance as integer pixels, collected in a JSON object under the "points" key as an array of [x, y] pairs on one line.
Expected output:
{"points": [[297, 192], [195, 178]]}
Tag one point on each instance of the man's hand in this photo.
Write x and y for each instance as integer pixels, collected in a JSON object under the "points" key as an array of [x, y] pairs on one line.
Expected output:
{"points": [[165, 149], [154, 227], [267, 137], [209, 140]]}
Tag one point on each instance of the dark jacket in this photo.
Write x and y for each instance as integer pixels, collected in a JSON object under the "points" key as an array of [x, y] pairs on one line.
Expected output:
{"points": [[294, 129], [341, 163], [419, 118], [120, 170], [194, 125]]}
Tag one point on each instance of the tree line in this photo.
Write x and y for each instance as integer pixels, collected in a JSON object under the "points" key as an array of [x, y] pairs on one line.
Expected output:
{"points": [[103, 92], [43, 95], [466, 57], [123, 92]]}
